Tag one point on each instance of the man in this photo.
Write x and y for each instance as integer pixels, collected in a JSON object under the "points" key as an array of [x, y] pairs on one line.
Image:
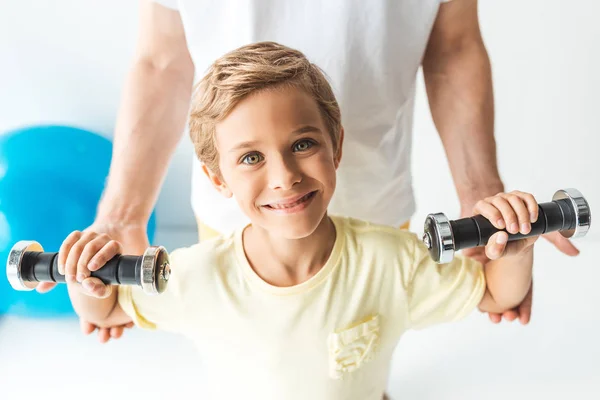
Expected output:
{"points": [[371, 52]]}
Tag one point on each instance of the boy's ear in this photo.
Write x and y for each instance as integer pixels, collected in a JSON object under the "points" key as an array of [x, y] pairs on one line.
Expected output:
{"points": [[338, 155], [217, 182]]}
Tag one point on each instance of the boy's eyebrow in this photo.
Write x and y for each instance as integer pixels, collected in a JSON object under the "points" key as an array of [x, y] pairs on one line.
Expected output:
{"points": [[253, 143], [244, 145], [305, 129]]}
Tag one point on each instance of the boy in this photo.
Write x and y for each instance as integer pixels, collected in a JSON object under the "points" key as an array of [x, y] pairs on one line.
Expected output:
{"points": [[298, 304]]}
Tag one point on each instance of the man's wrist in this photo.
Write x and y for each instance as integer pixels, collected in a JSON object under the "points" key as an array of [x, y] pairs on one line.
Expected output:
{"points": [[469, 196], [113, 211]]}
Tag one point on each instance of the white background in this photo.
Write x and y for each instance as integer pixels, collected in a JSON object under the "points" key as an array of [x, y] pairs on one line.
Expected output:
{"points": [[64, 61]]}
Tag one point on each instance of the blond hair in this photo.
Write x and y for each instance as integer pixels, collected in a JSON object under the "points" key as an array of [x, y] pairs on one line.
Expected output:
{"points": [[250, 69]]}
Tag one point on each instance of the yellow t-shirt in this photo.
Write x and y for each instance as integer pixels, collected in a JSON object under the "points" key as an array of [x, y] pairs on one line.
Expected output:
{"points": [[331, 337]]}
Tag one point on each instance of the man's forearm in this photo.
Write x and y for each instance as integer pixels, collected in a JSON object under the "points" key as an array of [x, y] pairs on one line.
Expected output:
{"points": [[150, 124], [459, 88]]}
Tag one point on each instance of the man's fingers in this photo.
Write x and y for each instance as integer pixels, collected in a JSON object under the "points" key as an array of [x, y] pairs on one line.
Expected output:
{"points": [[495, 318], [103, 335], [563, 244], [510, 315], [116, 332], [86, 327], [525, 307], [44, 287]]}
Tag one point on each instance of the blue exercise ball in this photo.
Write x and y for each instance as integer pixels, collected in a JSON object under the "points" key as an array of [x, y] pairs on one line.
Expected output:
{"points": [[51, 180]]}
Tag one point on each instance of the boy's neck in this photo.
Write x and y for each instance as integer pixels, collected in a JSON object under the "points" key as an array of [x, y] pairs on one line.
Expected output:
{"points": [[288, 262]]}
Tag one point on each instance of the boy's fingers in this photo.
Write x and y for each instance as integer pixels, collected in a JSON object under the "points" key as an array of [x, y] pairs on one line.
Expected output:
{"points": [[96, 288], [508, 214], [90, 250], [74, 255], [520, 209], [490, 212], [65, 248], [531, 203], [495, 247], [108, 251]]}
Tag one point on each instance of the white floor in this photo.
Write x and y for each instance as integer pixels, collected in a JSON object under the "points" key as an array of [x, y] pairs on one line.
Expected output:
{"points": [[555, 357]]}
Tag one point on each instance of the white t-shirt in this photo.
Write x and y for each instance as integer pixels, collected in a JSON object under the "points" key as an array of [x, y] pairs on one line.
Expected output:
{"points": [[371, 52]]}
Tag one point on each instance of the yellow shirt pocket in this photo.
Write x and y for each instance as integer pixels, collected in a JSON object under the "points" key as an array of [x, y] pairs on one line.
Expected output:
{"points": [[351, 347]]}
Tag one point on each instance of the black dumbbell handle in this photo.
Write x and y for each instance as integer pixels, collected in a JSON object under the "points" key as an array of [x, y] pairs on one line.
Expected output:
{"points": [[28, 264], [43, 267], [568, 213], [475, 231]]}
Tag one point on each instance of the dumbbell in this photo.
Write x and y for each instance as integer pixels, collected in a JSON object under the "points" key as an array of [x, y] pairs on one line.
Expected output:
{"points": [[568, 212], [28, 264]]}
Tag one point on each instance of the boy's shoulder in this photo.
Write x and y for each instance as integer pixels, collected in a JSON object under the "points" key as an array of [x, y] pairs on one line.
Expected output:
{"points": [[380, 250], [205, 257], [362, 233]]}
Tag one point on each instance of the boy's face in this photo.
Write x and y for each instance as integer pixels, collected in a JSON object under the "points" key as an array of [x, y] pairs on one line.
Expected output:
{"points": [[276, 158]]}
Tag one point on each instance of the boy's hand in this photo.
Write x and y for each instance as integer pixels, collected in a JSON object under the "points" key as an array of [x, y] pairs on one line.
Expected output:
{"points": [[514, 211], [84, 252], [134, 240]]}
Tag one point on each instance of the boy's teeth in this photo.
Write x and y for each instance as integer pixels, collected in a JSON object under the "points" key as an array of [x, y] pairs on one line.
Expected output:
{"points": [[294, 204]]}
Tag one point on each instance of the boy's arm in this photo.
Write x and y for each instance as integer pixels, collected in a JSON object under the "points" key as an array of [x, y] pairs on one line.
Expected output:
{"points": [[440, 293], [508, 280], [102, 312], [107, 306], [93, 301], [508, 275]]}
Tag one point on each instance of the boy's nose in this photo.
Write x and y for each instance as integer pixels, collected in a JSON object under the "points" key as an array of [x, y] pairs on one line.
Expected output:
{"points": [[283, 174]]}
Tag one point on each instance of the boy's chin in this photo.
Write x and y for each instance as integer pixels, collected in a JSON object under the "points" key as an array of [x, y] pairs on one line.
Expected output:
{"points": [[295, 234], [294, 228]]}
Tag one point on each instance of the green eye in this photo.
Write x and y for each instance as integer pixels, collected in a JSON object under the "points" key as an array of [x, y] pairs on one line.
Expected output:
{"points": [[303, 145], [252, 159]]}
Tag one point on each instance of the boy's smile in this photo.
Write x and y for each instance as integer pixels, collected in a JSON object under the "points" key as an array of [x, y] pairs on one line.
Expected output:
{"points": [[291, 204], [277, 159]]}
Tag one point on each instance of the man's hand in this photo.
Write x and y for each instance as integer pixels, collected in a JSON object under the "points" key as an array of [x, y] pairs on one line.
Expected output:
{"points": [[104, 334], [134, 239], [561, 243], [151, 122], [458, 79]]}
